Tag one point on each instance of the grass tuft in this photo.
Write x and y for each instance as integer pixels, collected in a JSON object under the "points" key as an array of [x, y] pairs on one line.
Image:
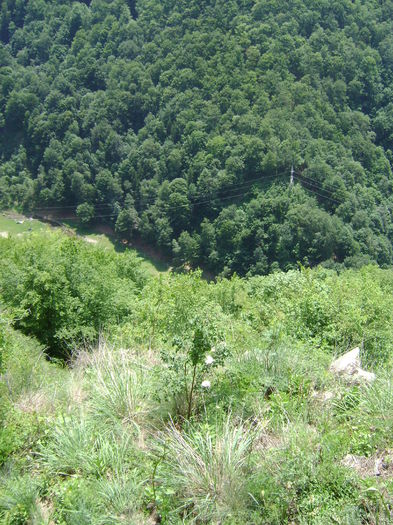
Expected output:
{"points": [[207, 468]]}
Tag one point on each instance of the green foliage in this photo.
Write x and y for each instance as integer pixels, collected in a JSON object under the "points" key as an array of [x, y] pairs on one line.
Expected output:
{"points": [[119, 390], [105, 437], [179, 123], [19, 501], [106, 501], [76, 446], [328, 310], [207, 469], [297, 481], [57, 290], [85, 212]]}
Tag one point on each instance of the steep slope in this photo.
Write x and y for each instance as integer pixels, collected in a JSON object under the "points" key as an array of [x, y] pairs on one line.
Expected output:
{"points": [[180, 120], [188, 402]]}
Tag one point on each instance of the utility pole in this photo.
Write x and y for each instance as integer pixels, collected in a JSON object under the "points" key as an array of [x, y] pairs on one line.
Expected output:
{"points": [[292, 173]]}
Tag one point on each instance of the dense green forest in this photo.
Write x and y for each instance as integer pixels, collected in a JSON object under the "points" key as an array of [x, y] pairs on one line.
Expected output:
{"points": [[179, 121], [186, 402]]}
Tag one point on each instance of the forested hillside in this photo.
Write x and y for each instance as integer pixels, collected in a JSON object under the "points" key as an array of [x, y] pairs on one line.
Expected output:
{"points": [[179, 121]]}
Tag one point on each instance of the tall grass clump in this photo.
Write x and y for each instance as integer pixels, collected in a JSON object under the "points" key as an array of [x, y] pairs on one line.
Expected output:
{"points": [[118, 387], [297, 482], [206, 467], [77, 446], [26, 369], [19, 500], [369, 418], [277, 376]]}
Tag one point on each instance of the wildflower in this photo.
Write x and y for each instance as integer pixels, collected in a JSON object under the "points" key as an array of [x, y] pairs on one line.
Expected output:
{"points": [[213, 348], [205, 384], [209, 360]]}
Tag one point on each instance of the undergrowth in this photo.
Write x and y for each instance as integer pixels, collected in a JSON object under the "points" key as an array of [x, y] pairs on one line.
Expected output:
{"points": [[206, 403]]}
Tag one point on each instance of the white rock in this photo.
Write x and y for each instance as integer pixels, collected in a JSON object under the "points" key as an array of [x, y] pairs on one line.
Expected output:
{"points": [[378, 466], [324, 397], [327, 396], [347, 364], [363, 376]]}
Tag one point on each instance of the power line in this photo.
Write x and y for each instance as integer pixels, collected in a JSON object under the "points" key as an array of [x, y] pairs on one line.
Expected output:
{"points": [[320, 194], [316, 183], [188, 204], [309, 184], [218, 198], [153, 200], [191, 204], [69, 206], [207, 201], [54, 219], [328, 195]]}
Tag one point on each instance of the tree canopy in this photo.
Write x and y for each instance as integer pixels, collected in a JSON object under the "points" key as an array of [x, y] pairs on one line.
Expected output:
{"points": [[179, 121]]}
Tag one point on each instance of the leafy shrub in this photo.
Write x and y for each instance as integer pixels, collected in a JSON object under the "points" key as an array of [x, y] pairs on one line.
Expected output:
{"points": [[326, 310], [63, 291]]}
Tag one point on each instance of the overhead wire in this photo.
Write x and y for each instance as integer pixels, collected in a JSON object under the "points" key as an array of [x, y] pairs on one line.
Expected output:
{"points": [[233, 187], [67, 206], [309, 187], [179, 206], [323, 196], [316, 183], [308, 183]]}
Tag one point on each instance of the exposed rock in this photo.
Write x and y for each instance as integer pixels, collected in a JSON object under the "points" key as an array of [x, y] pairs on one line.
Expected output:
{"points": [[380, 465], [324, 397], [268, 441], [89, 240], [349, 368], [327, 396], [347, 364], [361, 376]]}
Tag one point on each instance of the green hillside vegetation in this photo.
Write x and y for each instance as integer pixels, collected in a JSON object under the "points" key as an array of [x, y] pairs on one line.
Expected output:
{"points": [[121, 430], [12, 225], [16, 224], [178, 122]]}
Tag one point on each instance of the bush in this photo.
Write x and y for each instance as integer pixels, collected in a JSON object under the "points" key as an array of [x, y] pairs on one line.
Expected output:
{"points": [[63, 291]]}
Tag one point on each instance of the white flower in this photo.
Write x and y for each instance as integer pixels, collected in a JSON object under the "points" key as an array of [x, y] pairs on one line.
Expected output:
{"points": [[209, 360], [205, 384], [213, 348]]}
